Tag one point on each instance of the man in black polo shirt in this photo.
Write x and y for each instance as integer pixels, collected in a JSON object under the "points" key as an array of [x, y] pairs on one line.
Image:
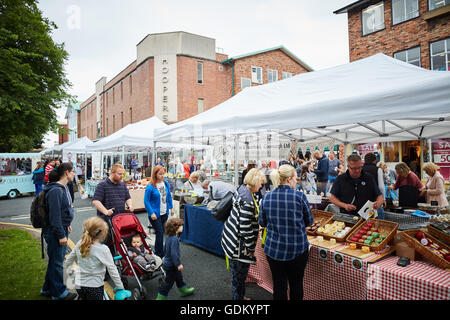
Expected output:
{"points": [[352, 189], [112, 194]]}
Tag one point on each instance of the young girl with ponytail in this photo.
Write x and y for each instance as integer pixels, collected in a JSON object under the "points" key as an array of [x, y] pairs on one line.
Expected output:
{"points": [[93, 258]]}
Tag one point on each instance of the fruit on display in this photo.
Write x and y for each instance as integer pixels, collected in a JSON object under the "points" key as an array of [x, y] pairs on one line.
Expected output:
{"points": [[369, 235], [433, 247], [365, 249], [335, 229]]}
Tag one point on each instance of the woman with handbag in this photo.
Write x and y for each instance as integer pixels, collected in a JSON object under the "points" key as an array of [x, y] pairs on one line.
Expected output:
{"points": [[240, 231]]}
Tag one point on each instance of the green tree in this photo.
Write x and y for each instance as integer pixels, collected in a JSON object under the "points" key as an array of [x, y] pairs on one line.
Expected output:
{"points": [[33, 81]]}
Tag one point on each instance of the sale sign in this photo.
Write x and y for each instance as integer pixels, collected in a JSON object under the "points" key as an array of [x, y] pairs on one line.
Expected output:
{"points": [[441, 155]]}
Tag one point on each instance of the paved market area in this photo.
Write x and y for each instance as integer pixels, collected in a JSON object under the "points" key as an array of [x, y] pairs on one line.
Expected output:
{"points": [[203, 270]]}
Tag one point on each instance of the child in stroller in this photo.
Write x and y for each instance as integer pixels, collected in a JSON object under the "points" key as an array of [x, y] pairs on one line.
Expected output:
{"points": [[141, 256], [125, 227]]}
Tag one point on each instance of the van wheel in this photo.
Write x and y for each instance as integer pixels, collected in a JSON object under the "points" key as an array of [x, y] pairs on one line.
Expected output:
{"points": [[12, 194]]}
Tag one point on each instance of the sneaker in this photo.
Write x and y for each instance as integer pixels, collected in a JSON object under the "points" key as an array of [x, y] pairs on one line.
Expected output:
{"points": [[45, 293], [69, 296], [161, 297]]}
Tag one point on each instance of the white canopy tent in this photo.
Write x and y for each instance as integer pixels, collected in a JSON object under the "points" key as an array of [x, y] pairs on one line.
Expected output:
{"points": [[373, 99], [79, 146]]}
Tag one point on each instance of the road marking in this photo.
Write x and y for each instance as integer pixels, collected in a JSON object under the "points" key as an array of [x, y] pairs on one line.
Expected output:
{"points": [[21, 217]]}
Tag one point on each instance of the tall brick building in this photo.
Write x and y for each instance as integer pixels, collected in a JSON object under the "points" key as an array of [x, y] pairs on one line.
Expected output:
{"points": [[415, 31], [175, 76]]}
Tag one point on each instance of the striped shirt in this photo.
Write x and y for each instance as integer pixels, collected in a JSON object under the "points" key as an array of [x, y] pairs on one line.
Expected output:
{"points": [[111, 195], [285, 213]]}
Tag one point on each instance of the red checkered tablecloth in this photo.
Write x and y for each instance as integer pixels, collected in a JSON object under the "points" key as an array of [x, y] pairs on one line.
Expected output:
{"points": [[420, 280], [324, 278]]}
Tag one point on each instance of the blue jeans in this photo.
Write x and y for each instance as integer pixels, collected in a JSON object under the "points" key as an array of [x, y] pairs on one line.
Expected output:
{"points": [[158, 225], [239, 271], [38, 187], [54, 281]]}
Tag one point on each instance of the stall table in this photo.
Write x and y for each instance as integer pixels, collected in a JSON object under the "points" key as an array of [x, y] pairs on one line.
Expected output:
{"points": [[326, 279], [202, 229]]}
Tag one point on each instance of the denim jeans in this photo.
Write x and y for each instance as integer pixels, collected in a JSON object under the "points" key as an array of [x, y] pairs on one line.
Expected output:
{"points": [[239, 271], [158, 225], [54, 281], [172, 276], [38, 188]]}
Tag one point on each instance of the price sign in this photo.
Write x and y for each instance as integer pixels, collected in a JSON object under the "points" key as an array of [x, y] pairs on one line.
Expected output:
{"points": [[441, 155]]}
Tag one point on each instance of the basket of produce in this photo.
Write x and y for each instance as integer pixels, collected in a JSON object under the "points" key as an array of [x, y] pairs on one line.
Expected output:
{"points": [[429, 247], [339, 227], [440, 230], [373, 233], [320, 219]]}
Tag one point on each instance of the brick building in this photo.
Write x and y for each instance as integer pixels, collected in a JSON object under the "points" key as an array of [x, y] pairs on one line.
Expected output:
{"points": [[415, 31], [175, 76]]}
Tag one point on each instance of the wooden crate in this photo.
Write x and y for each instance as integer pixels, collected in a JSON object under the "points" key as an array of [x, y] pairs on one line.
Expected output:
{"points": [[387, 227], [438, 234], [410, 237], [320, 216]]}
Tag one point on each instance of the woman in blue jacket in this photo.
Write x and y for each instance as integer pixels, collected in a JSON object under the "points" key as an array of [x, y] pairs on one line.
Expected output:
{"points": [[158, 203], [56, 232], [38, 177]]}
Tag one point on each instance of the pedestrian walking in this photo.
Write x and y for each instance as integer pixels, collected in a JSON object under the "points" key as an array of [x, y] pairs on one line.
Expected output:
{"points": [[93, 258], [38, 177], [57, 231], [172, 261]]}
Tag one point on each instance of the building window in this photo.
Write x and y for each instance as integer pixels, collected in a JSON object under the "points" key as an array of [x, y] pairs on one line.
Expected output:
{"points": [[411, 56], [285, 75], [114, 97], [245, 83], [272, 75], [373, 18], [403, 10], [199, 72], [440, 55], [434, 4], [131, 115], [200, 105], [121, 90], [121, 119], [131, 85], [114, 124], [98, 129], [256, 74]]}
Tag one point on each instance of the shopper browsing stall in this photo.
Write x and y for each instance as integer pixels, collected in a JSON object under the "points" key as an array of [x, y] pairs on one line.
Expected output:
{"points": [[435, 186], [285, 213], [352, 189]]}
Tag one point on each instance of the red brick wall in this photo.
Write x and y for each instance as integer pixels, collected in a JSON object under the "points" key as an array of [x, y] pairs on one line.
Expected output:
{"points": [[88, 118], [216, 86], [138, 96], [397, 37], [275, 60]]}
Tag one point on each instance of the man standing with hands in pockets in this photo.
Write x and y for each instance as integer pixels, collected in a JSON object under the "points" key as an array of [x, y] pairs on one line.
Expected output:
{"points": [[111, 196]]}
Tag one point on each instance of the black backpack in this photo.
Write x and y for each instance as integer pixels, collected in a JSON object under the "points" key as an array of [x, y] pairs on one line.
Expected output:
{"points": [[39, 211], [223, 209]]}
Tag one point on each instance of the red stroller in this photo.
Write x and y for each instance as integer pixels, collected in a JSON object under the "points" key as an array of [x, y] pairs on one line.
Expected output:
{"points": [[123, 227]]}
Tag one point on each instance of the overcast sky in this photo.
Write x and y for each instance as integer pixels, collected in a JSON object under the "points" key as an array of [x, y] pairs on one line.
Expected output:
{"points": [[101, 36]]}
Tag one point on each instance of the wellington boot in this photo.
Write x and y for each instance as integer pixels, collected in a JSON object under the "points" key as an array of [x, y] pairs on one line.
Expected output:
{"points": [[161, 297], [186, 291]]}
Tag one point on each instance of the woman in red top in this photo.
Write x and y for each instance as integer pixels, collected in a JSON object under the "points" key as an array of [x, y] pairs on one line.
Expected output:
{"points": [[405, 177]]}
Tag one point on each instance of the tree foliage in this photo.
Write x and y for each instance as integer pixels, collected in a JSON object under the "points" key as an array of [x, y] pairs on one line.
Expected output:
{"points": [[33, 82]]}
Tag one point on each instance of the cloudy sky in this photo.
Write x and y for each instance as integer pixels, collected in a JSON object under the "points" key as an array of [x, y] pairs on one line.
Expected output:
{"points": [[101, 36]]}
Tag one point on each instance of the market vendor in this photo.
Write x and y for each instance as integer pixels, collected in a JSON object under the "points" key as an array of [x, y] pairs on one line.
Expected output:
{"points": [[218, 189], [354, 188], [194, 184]]}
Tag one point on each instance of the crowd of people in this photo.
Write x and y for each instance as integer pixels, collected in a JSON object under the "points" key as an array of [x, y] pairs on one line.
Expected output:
{"points": [[270, 201]]}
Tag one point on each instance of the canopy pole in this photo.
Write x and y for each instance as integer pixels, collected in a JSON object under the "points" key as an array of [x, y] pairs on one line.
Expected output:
{"points": [[236, 157], [85, 168], [101, 165], [153, 155], [123, 156]]}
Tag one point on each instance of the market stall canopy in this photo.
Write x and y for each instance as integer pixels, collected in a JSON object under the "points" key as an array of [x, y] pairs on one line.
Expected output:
{"points": [[373, 99], [135, 137], [79, 146]]}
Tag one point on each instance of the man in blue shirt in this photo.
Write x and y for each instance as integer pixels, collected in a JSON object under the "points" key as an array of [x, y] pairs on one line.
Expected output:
{"points": [[321, 172]]}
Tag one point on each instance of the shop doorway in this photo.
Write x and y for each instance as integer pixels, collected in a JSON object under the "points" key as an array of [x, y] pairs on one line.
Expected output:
{"points": [[411, 155]]}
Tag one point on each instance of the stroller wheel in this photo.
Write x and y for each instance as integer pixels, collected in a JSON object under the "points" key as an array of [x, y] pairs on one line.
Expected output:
{"points": [[139, 294]]}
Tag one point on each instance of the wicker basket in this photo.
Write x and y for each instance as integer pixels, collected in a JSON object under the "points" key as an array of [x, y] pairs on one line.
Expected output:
{"points": [[347, 224], [387, 227], [409, 237], [442, 236], [320, 216]]}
